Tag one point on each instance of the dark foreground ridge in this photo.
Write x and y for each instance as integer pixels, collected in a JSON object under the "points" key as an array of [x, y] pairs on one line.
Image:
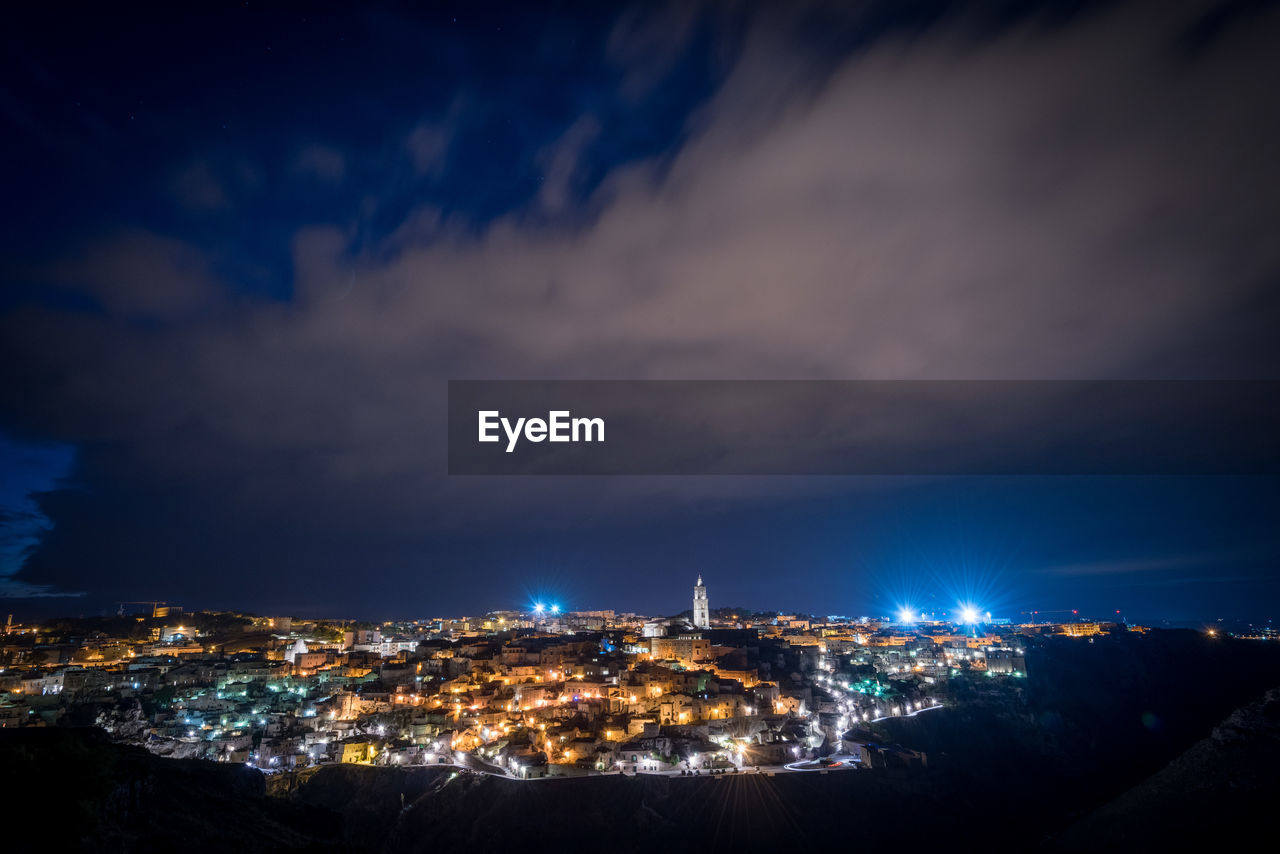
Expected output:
{"points": [[124, 799], [113, 797], [1216, 793]]}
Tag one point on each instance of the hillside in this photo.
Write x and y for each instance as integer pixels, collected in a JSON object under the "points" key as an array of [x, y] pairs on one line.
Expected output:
{"points": [[1215, 795], [92, 795]]}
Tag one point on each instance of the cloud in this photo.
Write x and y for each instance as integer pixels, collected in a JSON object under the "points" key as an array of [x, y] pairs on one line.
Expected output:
{"points": [[646, 42], [197, 189], [29, 469], [321, 162], [1137, 565], [943, 210], [138, 274], [11, 589], [428, 145], [561, 164], [212, 184], [1051, 202]]}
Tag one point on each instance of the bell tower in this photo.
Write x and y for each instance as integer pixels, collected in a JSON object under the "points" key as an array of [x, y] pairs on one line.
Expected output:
{"points": [[701, 610]]}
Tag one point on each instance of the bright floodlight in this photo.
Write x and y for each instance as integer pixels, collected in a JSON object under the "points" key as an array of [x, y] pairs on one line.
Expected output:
{"points": [[906, 616], [555, 609], [968, 614], [537, 609]]}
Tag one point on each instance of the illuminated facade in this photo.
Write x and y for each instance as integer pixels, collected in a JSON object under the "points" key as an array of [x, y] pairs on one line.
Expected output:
{"points": [[701, 610], [533, 703]]}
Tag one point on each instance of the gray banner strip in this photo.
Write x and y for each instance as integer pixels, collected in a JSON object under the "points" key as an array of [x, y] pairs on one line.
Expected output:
{"points": [[813, 427]]}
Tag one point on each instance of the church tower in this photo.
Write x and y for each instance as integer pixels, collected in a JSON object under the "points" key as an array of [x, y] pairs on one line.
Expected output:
{"points": [[701, 611]]}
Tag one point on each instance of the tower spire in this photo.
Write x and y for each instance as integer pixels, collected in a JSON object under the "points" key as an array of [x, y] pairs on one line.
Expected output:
{"points": [[701, 610]]}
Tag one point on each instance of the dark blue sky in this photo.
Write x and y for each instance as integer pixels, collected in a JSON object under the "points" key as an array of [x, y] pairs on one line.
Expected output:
{"points": [[244, 248]]}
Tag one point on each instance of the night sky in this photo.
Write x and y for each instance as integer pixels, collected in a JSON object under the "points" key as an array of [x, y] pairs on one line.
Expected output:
{"points": [[244, 248]]}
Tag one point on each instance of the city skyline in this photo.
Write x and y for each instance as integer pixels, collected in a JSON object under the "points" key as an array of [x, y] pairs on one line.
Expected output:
{"points": [[548, 607], [453, 726]]}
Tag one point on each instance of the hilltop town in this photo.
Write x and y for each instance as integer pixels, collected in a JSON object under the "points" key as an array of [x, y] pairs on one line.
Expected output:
{"points": [[521, 694]]}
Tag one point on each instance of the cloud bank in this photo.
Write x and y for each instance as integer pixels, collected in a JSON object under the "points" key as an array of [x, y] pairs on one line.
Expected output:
{"points": [[1089, 199]]}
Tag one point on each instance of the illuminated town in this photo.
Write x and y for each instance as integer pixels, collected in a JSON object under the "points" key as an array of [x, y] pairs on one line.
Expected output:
{"points": [[526, 694]]}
